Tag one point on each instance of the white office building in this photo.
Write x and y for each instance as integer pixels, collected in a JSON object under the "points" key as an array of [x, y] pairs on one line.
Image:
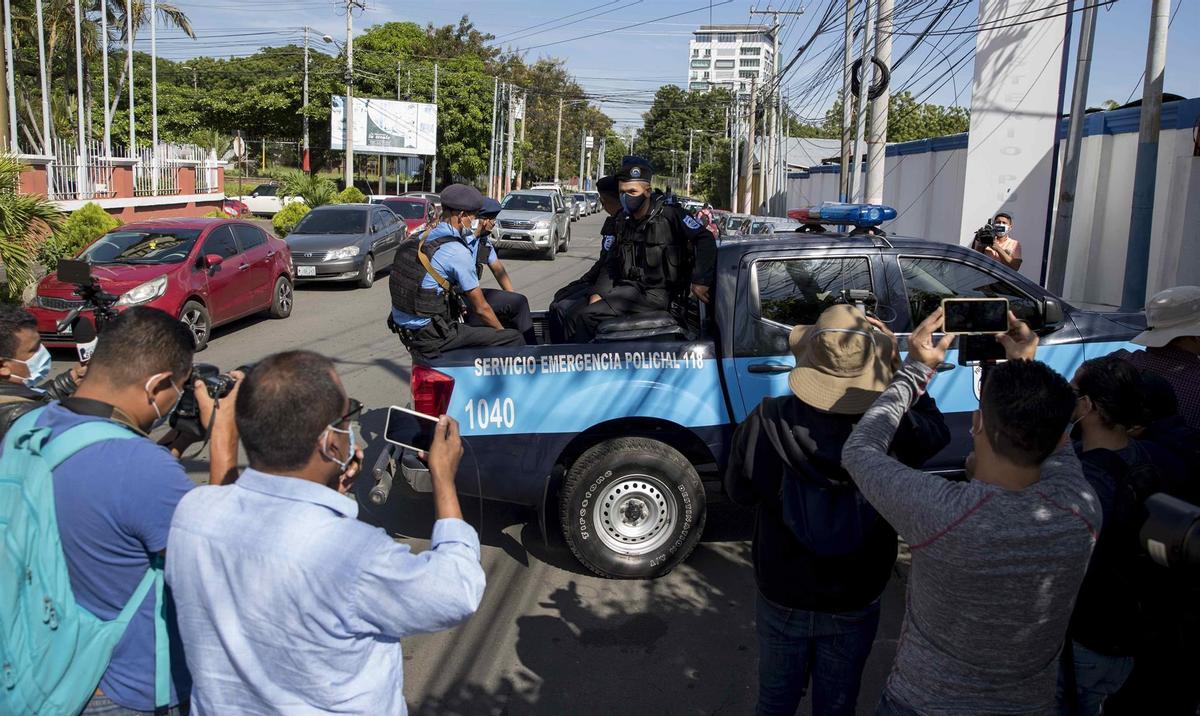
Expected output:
{"points": [[730, 57]]}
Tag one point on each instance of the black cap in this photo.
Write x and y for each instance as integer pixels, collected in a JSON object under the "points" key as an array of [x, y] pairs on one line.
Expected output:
{"points": [[635, 169], [607, 184], [460, 197], [490, 208]]}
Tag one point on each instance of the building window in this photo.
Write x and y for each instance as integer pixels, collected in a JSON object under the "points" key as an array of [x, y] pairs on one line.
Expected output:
{"points": [[700, 64], [756, 37], [751, 50], [725, 64], [749, 63], [726, 52], [727, 37], [708, 53], [699, 86], [748, 74], [703, 38], [695, 52]]}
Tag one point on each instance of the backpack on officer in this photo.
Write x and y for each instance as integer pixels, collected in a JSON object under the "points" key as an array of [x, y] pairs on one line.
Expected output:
{"points": [[54, 652]]}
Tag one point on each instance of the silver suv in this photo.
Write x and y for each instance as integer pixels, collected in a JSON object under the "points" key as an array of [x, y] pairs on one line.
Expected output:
{"points": [[534, 219]]}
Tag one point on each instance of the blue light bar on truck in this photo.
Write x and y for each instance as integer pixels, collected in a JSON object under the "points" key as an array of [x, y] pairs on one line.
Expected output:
{"points": [[851, 214]]}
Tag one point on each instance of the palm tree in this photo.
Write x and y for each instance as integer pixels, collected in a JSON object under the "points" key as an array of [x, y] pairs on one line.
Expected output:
{"points": [[314, 190], [25, 222]]}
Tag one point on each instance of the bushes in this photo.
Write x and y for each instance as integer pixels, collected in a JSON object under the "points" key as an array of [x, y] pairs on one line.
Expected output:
{"points": [[314, 190], [351, 195], [217, 214], [287, 217], [81, 228]]}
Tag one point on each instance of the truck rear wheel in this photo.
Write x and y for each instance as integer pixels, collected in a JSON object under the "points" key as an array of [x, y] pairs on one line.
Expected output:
{"points": [[632, 508]]}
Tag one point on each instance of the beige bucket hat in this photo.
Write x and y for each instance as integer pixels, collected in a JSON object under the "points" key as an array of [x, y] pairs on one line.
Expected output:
{"points": [[843, 362]]}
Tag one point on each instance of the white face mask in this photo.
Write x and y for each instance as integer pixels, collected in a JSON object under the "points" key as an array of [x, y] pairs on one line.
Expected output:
{"points": [[160, 417], [38, 366], [475, 225]]}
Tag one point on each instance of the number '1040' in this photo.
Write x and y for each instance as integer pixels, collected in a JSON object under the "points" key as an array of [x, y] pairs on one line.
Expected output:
{"points": [[497, 414]]}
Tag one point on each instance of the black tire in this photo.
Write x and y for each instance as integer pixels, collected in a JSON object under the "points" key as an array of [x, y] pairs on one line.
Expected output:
{"points": [[551, 252], [654, 492], [566, 244], [195, 316], [283, 296], [366, 275]]}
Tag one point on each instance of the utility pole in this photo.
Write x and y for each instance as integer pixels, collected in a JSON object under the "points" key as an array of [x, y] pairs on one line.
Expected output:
{"points": [[433, 174], [877, 136], [512, 130], [8, 105], [492, 144], [1141, 219], [524, 121], [847, 103], [153, 83], [81, 149], [398, 68], [861, 122], [688, 191], [128, 61], [558, 140], [748, 184], [104, 74], [47, 147], [348, 115], [582, 152], [1070, 174], [304, 158]]}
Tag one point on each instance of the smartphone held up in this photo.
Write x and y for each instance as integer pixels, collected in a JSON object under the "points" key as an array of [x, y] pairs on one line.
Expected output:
{"points": [[976, 322]]}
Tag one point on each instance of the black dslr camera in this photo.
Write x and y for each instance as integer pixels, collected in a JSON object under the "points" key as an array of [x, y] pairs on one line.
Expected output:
{"points": [[94, 298], [986, 235], [186, 416], [1171, 533]]}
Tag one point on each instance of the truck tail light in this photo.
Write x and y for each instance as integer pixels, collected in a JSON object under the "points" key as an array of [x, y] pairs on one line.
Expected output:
{"points": [[431, 390]]}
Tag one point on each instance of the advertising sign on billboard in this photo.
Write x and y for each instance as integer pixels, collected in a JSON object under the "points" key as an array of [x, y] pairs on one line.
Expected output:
{"points": [[385, 126]]}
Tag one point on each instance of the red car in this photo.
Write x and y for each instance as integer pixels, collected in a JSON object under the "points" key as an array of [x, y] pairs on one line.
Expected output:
{"points": [[235, 209], [205, 271], [417, 212]]}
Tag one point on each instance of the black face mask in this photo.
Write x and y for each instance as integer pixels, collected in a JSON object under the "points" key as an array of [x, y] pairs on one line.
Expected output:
{"points": [[632, 202]]}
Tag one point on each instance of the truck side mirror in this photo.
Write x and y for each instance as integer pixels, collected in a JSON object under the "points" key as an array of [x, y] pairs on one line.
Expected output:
{"points": [[1052, 312]]}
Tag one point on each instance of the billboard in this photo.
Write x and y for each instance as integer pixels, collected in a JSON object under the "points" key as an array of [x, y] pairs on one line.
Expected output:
{"points": [[385, 126]]}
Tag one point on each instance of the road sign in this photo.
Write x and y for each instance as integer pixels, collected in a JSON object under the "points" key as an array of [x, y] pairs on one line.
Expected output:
{"points": [[589, 142], [239, 147]]}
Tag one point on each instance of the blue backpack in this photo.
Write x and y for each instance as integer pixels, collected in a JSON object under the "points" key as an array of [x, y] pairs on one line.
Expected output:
{"points": [[53, 652]]}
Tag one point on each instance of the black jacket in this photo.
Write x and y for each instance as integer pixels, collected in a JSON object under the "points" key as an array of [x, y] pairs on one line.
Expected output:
{"points": [[16, 400], [784, 438]]}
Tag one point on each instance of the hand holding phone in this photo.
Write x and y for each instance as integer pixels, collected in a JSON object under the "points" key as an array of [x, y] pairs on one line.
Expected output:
{"points": [[409, 429], [445, 452], [975, 316]]}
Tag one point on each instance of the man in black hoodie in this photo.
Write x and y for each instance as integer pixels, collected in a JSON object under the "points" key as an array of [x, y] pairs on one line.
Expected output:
{"points": [[822, 555]]}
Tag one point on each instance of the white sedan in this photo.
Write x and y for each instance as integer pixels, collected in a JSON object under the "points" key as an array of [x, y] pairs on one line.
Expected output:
{"points": [[265, 200]]}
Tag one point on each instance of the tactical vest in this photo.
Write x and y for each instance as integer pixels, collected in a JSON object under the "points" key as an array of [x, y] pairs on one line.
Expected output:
{"points": [[408, 271], [483, 253], [648, 253]]}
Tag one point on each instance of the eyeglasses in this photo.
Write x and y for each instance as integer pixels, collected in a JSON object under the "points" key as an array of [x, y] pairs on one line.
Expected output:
{"points": [[355, 409]]}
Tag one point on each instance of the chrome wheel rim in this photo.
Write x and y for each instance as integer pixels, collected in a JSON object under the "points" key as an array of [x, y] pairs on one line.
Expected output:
{"points": [[285, 296], [635, 514], [194, 320]]}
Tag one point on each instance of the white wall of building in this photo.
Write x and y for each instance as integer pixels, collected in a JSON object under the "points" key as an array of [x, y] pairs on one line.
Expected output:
{"points": [[925, 182]]}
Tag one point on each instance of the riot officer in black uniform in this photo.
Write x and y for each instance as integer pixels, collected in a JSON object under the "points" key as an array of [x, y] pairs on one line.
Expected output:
{"points": [[432, 274], [659, 252], [597, 282]]}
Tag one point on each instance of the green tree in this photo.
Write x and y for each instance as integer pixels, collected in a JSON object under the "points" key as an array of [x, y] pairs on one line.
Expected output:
{"points": [[82, 227], [25, 222], [286, 218], [314, 190], [678, 115], [909, 119]]}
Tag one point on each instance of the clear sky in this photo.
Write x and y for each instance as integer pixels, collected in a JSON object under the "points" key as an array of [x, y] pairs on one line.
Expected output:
{"points": [[623, 50]]}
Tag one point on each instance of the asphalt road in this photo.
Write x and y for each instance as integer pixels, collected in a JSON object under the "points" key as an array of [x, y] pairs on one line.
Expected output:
{"points": [[549, 638]]}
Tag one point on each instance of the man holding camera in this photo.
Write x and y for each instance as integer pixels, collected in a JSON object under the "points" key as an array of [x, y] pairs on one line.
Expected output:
{"points": [[287, 603], [114, 500], [997, 560], [24, 365], [995, 240]]}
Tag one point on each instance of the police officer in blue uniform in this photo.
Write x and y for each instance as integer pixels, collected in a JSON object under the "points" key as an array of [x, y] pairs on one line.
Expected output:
{"points": [[597, 282], [660, 252], [431, 277], [510, 307]]}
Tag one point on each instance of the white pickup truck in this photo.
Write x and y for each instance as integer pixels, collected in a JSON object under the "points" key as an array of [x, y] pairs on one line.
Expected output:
{"points": [[265, 200]]}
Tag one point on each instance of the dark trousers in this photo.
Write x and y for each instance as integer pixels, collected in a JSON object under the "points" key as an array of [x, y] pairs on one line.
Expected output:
{"points": [[569, 298], [440, 336], [511, 308], [625, 299], [795, 645]]}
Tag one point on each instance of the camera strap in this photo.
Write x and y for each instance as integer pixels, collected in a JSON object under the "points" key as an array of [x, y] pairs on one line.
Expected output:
{"points": [[100, 409]]}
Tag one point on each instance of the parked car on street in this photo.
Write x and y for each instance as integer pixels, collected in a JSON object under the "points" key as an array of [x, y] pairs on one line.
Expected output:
{"points": [[235, 209], [416, 212], [534, 220], [549, 186], [435, 199], [205, 271], [345, 242], [772, 225], [265, 200], [593, 201], [583, 204]]}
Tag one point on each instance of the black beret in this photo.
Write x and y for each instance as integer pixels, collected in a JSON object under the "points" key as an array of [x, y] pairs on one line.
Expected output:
{"points": [[635, 169], [460, 197], [607, 184]]}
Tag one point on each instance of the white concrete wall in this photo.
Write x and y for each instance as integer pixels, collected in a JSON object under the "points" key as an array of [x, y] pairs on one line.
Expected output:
{"points": [[926, 191]]}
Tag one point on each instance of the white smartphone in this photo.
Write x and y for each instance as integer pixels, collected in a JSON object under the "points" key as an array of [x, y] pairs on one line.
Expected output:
{"points": [[409, 429]]}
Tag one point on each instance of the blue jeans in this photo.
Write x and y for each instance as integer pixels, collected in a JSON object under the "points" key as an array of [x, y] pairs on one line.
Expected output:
{"points": [[101, 705], [1097, 676], [794, 644]]}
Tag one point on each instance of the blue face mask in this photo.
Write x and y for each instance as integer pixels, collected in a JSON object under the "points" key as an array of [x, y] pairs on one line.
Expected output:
{"points": [[631, 203], [38, 366]]}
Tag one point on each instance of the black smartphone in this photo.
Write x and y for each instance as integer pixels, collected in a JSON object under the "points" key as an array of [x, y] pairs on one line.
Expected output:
{"points": [[410, 429], [976, 349], [975, 316]]}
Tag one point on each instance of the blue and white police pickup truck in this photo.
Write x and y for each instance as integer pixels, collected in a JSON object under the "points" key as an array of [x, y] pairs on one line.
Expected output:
{"points": [[616, 436]]}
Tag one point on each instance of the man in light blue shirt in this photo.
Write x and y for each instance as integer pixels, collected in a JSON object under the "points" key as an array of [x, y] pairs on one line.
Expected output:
{"points": [[430, 277], [286, 602]]}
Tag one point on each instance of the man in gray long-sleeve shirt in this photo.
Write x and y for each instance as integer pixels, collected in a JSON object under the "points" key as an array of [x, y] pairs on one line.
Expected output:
{"points": [[997, 561]]}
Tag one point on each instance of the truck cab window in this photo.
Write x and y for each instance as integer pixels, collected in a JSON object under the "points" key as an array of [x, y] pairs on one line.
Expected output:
{"points": [[795, 291], [928, 280]]}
